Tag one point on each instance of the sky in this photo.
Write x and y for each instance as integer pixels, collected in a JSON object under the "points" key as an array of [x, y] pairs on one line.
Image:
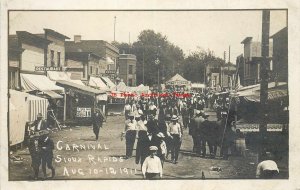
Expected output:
{"points": [[190, 30]]}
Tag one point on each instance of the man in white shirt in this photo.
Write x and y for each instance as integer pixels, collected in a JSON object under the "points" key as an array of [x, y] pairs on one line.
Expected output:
{"points": [[152, 168], [130, 134], [175, 133], [127, 109], [267, 169]]}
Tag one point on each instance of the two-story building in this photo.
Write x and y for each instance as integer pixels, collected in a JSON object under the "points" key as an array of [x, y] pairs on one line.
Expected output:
{"points": [[55, 51], [80, 65], [127, 69], [105, 50], [252, 59]]}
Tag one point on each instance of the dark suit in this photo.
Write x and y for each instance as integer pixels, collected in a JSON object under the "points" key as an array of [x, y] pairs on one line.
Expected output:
{"points": [[47, 147], [42, 127], [143, 144]]}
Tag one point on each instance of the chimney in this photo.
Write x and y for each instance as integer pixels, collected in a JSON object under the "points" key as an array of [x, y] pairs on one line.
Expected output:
{"points": [[77, 38]]}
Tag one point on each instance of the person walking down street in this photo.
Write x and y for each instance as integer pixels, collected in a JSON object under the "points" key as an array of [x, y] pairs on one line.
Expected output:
{"points": [[47, 146], [98, 119], [142, 148], [207, 137], [130, 134], [35, 153], [185, 115], [174, 132], [267, 169], [152, 125], [152, 168], [194, 131], [127, 109], [162, 149]]}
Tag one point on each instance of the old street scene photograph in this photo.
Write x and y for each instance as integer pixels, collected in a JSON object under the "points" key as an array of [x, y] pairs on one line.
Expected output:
{"points": [[148, 94]]}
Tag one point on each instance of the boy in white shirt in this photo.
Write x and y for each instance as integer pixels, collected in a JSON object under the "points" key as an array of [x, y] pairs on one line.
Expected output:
{"points": [[152, 168]]}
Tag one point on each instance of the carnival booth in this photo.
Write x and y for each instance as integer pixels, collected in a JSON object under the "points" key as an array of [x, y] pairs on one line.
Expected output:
{"points": [[81, 101], [177, 83], [23, 108], [247, 102]]}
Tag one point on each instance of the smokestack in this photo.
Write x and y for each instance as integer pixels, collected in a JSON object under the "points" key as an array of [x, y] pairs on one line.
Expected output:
{"points": [[77, 38]]}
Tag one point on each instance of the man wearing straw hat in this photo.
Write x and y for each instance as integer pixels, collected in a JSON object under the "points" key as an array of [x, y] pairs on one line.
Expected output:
{"points": [[152, 168], [174, 132], [194, 131]]}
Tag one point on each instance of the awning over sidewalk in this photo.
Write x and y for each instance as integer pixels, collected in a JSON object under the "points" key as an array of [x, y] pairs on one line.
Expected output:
{"points": [[51, 94], [97, 82], [80, 89], [58, 75], [30, 82], [108, 82]]}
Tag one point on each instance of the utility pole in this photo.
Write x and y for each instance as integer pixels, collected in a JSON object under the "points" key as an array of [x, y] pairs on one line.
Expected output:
{"points": [[115, 21], [264, 80]]}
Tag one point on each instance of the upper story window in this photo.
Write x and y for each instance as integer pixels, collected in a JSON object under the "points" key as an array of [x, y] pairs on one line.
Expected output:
{"points": [[130, 69]]}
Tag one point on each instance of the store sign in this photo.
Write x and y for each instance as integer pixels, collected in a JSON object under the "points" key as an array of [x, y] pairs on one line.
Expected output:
{"points": [[110, 71], [42, 68], [84, 112]]}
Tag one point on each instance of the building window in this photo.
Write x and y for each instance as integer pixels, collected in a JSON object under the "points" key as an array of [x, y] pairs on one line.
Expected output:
{"points": [[91, 70], [13, 80], [58, 59], [52, 59], [130, 69], [97, 71]]}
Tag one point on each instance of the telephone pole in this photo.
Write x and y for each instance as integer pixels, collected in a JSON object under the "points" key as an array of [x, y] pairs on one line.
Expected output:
{"points": [[115, 21], [264, 80]]}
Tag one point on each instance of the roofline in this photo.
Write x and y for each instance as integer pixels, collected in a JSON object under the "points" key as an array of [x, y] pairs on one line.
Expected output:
{"points": [[246, 40], [281, 30], [43, 40], [55, 33]]}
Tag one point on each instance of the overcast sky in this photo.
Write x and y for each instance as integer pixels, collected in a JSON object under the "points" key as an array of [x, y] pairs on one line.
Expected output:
{"points": [[214, 30]]}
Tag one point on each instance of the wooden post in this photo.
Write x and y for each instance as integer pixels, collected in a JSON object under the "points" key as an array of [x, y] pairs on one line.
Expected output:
{"points": [[264, 80]]}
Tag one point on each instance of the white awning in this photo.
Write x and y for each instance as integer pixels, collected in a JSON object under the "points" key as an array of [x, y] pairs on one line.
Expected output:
{"points": [[109, 61], [30, 82], [97, 82], [109, 83], [56, 75]]}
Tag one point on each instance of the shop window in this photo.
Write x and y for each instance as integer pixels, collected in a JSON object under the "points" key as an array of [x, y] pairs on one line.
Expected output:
{"points": [[91, 70], [130, 82]]}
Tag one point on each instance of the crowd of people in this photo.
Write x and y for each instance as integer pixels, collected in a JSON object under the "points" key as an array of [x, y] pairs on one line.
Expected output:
{"points": [[160, 123]]}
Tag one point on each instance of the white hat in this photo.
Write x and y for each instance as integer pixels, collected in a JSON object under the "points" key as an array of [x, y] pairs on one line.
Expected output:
{"points": [[140, 112], [137, 116], [153, 148], [197, 112], [161, 135], [174, 118]]}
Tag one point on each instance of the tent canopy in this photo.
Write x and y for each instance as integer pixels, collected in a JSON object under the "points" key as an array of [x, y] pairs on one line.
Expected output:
{"points": [[31, 82], [177, 80], [97, 82]]}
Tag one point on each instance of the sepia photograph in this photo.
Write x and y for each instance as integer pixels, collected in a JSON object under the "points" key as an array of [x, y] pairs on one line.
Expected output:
{"points": [[148, 94]]}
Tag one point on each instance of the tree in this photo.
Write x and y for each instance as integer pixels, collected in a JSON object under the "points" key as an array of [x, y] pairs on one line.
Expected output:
{"points": [[194, 65]]}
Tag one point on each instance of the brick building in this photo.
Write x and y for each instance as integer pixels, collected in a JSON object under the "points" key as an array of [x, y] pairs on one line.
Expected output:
{"points": [[101, 48], [127, 69]]}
